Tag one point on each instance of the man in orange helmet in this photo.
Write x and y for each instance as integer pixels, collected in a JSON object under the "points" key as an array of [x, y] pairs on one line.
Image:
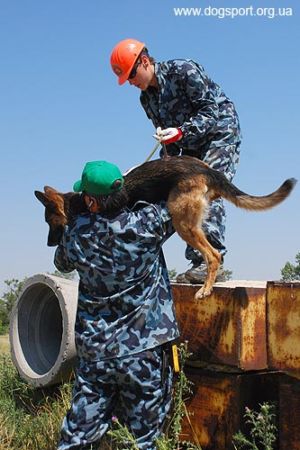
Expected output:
{"points": [[192, 116]]}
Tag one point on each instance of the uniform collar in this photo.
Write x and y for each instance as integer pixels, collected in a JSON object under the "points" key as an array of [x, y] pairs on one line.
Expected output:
{"points": [[161, 81]]}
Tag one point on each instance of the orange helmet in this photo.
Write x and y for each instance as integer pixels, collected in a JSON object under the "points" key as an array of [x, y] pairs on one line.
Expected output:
{"points": [[124, 56]]}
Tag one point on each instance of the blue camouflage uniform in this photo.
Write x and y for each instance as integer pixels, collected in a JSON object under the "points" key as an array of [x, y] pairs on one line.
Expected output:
{"points": [[125, 316], [188, 99]]}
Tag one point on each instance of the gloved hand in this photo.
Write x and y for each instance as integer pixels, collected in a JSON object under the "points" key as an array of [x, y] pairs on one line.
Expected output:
{"points": [[168, 136]]}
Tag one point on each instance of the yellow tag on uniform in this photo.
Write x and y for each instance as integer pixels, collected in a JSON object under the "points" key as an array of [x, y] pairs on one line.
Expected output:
{"points": [[175, 358]]}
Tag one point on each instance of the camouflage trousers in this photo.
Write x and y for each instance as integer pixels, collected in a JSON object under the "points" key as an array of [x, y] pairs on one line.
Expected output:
{"points": [[136, 389], [224, 159]]}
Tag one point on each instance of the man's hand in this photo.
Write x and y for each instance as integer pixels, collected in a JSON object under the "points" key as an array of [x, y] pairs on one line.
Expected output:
{"points": [[168, 136]]}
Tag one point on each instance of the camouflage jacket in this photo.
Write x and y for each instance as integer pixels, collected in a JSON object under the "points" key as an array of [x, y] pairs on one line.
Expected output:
{"points": [[187, 98], [125, 303]]}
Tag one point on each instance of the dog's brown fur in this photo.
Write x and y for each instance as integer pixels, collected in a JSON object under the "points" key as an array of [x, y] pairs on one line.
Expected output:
{"points": [[188, 185]]}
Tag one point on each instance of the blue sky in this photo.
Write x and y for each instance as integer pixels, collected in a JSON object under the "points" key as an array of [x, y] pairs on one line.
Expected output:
{"points": [[61, 106]]}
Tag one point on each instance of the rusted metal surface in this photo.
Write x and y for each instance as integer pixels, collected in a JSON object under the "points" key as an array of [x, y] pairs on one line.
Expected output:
{"points": [[289, 415], [226, 328], [214, 410], [283, 326], [218, 404], [284, 392]]}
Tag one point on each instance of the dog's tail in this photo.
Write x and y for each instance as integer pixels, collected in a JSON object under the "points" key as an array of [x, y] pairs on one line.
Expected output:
{"points": [[256, 203]]}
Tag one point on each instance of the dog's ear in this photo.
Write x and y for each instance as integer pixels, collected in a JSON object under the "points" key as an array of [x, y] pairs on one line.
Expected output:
{"points": [[57, 198], [42, 197], [50, 190]]}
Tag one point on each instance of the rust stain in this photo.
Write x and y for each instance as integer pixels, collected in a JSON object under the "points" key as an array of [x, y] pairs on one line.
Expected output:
{"points": [[289, 416], [225, 328], [213, 410], [283, 324], [205, 323], [253, 332], [218, 401]]}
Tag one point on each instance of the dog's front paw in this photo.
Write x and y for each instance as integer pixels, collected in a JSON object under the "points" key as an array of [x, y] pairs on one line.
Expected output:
{"points": [[203, 292]]}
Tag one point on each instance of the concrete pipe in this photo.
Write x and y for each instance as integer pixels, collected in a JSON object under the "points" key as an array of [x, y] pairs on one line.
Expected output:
{"points": [[42, 330]]}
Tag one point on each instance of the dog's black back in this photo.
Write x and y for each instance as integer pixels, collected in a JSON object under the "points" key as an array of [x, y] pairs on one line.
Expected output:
{"points": [[153, 180]]}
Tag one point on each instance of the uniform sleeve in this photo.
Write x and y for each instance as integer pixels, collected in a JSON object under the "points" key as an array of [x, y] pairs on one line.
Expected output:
{"points": [[161, 221], [61, 260], [196, 86]]}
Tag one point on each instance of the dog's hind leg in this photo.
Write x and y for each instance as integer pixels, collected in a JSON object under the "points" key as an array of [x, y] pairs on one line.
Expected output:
{"points": [[196, 238], [187, 210]]}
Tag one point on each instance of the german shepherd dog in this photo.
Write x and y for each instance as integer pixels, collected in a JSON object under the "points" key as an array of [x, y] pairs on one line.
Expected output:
{"points": [[188, 185]]}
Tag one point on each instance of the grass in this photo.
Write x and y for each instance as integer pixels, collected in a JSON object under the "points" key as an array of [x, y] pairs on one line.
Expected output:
{"points": [[30, 419], [4, 344]]}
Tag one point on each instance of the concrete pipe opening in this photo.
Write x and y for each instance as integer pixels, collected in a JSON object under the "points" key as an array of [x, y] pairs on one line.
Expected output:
{"points": [[42, 330]]}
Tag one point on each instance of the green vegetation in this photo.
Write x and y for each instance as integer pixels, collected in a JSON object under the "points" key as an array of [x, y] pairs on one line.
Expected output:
{"points": [[291, 272], [7, 301], [263, 431], [4, 344], [170, 440], [30, 419], [172, 274], [227, 274]]}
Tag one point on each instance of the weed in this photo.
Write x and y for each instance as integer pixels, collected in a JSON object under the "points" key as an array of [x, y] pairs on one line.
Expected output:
{"points": [[170, 439], [263, 431]]}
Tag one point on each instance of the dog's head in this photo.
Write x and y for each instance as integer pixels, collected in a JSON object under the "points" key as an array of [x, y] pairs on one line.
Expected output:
{"points": [[55, 214]]}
